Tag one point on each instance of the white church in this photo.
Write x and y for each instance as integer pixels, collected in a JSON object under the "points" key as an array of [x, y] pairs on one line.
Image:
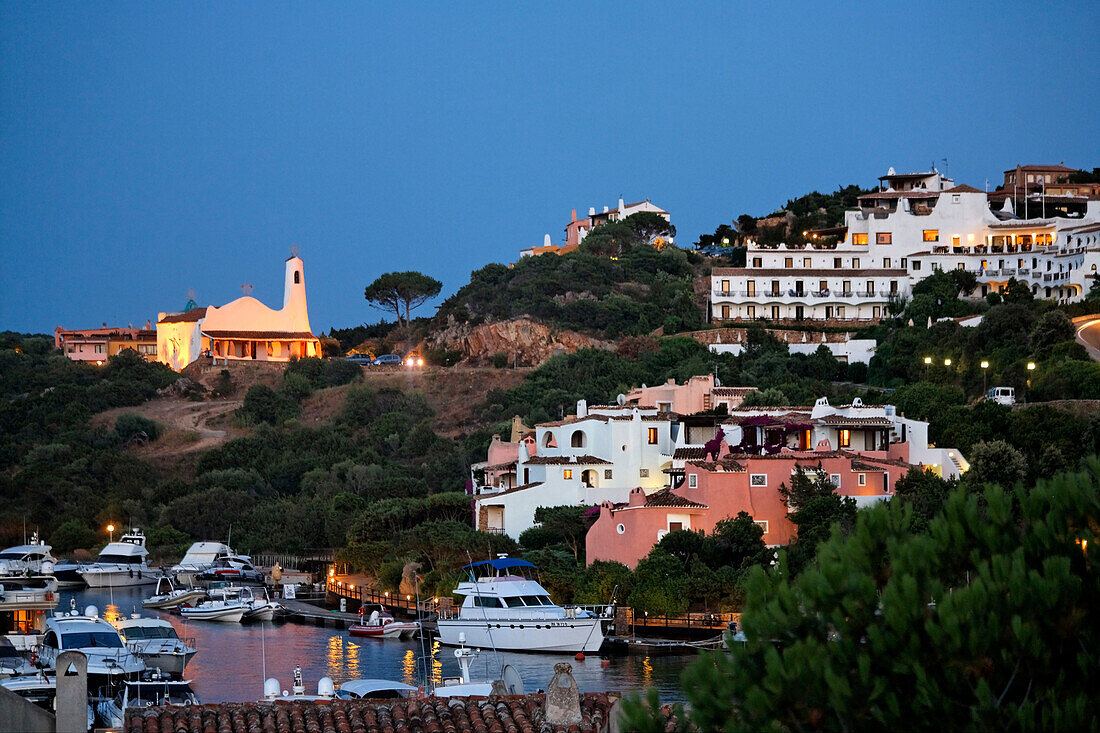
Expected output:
{"points": [[242, 330]]}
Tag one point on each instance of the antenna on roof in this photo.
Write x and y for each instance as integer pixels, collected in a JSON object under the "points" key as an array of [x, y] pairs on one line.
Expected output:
{"points": [[246, 288]]}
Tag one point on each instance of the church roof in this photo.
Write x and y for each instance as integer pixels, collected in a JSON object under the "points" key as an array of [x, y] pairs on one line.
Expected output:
{"points": [[191, 316]]}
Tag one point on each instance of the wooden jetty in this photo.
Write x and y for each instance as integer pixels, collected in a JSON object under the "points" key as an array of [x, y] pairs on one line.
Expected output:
{"points": [[307, 613]]}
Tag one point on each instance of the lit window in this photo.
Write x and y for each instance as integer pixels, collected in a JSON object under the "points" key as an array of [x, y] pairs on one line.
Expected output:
{"points": [[956, 240], [652, 436], [845, 438], [567, 474], [931, 235], [884, 238], [859, 238]]}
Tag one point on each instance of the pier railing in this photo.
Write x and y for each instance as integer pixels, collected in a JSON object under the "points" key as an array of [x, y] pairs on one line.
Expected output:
{"points": [[365, 594]]}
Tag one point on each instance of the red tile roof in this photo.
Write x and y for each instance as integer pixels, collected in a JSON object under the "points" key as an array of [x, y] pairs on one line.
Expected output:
{"points": [[689, 454], [566, 461], [513, 713], [963, 188], [856, 421], [195, 314], [665, 498]]}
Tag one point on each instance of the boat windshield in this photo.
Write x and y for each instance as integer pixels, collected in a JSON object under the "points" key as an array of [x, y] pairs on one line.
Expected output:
{"points": [[12, 555], [159, 693], [85, 639], [149, 632], [121, 559], [535, 600]]}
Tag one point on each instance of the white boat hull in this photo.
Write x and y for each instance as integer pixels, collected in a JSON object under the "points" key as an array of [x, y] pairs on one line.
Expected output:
{"points": [[226, 614], [168, 662], [118, 577], [569, 635]]}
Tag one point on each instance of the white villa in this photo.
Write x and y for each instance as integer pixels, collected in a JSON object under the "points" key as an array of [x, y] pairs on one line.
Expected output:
{"points": [[917, 224], [604, 453]]}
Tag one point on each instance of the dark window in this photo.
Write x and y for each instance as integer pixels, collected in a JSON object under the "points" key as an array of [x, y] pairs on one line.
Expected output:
{"points": [[297, 277]]}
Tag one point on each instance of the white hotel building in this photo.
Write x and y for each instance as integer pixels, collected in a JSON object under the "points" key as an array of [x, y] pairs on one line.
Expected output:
{"points": [[918, 223]]}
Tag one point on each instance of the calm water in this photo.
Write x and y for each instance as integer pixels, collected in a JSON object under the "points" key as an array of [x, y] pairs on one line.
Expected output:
{"points": [[230, 662]]}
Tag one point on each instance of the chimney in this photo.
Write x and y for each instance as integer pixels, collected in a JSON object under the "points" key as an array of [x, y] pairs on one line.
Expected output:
{"points": [[621, 204], [563, 700], [592, 210], [582, 408], [605, 209], [572, 216]]}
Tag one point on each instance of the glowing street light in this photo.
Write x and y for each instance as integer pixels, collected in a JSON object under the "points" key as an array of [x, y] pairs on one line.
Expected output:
{"points": [[111, 529], [928, 360], [947, 362], [985, 367], [1031, 366]]}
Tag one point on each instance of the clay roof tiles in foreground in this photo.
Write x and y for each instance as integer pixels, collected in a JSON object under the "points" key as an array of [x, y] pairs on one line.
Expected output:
{"points": [[513, 713]]}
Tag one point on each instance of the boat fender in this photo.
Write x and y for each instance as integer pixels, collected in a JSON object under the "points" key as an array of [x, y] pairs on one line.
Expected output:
{"points": [[34, 659], [131, 572], [605, 662], [139, 573], [579, 657]]}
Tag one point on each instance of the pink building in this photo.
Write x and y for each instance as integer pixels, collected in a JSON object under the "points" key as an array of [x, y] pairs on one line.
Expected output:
{"points": [[711, 491], [698, 394], [97, 344]]}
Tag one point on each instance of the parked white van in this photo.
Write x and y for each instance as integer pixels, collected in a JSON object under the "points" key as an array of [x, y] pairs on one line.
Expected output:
{"points": [[1002, 395]]}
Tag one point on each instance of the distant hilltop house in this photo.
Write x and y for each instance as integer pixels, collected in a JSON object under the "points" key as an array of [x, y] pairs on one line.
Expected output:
{"points": [[577, 229], [607, 454], [97, 344], [1038, 229], [242, 330]]}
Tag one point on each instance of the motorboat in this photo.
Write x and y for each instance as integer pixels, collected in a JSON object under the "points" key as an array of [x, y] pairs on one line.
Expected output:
{"points": [[221, 606], [121, 563], [109, 661], [152, 689], [374, 689], [40, 689], [157, 643], [68, 575], [463, 686], [168, 596], [202, 556], [234, 569], [326, 691], [259, 608], [504, 608], [377, 623], [12, 662], [27, 559], [24, 603]]}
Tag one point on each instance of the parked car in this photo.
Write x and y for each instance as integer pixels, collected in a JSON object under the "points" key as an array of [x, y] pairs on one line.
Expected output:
{"points": [[387, 360], [1002, 395], [363, 359]]}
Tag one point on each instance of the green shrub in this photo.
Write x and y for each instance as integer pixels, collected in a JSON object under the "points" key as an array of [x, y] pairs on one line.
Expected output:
{"points": [[130, 427]]}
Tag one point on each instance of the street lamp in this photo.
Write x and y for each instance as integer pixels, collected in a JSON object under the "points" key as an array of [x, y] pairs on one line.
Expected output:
{"points": [[947, 362], [111, 529], [985, 367], [1030, 369]]}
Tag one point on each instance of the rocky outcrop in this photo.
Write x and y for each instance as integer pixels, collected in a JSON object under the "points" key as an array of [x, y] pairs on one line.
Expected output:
{"points": [[523, 341]]}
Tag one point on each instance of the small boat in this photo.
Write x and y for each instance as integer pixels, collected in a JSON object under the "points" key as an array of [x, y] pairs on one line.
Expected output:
{"points": [[12, 663], [40, 689], [374, 689], [222, 606], [121, 563], [157, 643], [259, 608], [152, 689], [380, 624], [169, 596], [506, 609]]}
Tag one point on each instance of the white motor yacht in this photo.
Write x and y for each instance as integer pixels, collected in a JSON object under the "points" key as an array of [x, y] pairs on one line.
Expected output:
{"points": [[147, 692], [24, 603], [168, 596], [505, 609], [27, 559], [200, 556], [121, 563], [259, 606], [157, 643], [223, 605], [109, 661]]}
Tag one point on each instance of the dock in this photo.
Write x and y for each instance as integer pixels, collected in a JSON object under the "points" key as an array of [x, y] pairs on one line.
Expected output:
{"points": [[307, 613]]}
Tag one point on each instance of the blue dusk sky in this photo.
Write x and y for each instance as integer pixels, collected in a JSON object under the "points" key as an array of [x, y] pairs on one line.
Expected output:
{"points": [[150, 148]]}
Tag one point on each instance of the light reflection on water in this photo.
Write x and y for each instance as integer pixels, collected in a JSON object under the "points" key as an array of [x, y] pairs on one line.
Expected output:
{"points": [[231, 660]]}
